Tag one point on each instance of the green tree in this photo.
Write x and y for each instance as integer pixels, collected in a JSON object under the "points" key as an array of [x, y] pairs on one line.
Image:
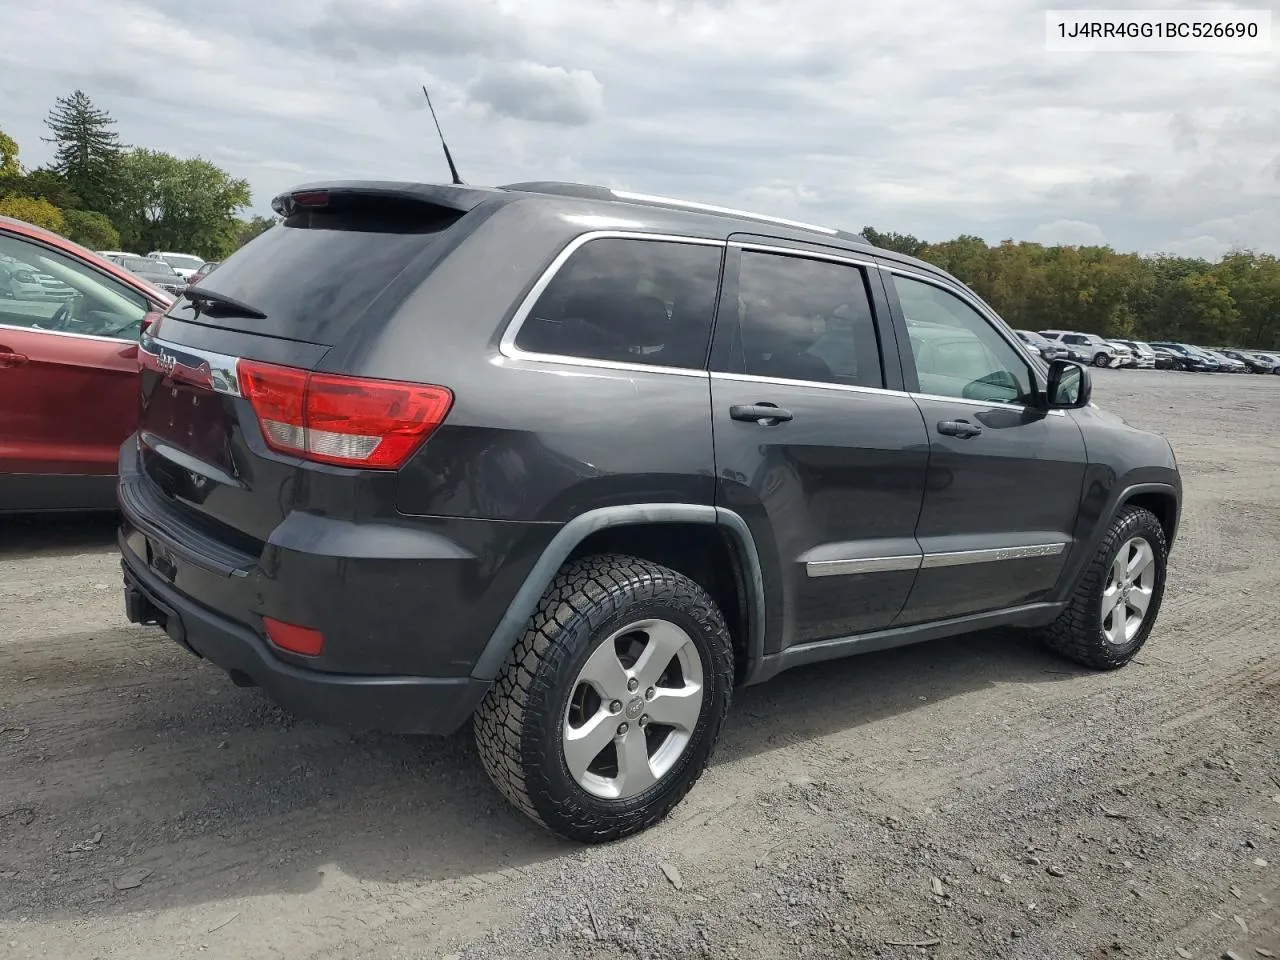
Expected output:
{"points": [[40, 182], [9, 166], [33, 210], [88, 150], [967, 258], [185, 205], [1254, 283], [248, 229], [92, 230], [901, 242], [1199, 310], [1097, 290]]}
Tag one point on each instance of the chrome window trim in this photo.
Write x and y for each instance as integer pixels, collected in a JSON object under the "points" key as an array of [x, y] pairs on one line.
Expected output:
{"points": [[986, 404], [784, 250], [991, 555], [930, 561], [69, 333], [591, 364], [224, 370], [507, 344], [817, 384], [837, 568], [729, 211]]}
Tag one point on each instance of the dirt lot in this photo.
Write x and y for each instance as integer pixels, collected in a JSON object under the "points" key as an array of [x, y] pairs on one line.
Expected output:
{"points": [[968, 798]]}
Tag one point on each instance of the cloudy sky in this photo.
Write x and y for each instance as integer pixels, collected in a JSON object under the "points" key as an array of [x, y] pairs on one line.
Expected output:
{"points": [[933, 117]]}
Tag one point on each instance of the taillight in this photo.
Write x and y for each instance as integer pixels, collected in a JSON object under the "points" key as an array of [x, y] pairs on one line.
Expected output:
{"points": [[349, 421]]}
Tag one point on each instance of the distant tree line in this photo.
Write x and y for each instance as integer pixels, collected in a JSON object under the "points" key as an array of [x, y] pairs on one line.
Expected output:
{"points": [[109, 196], [1234, 302], [106, 195]]}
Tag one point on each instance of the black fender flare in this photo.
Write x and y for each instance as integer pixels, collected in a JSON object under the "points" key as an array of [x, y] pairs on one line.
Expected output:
{"points": [[507, 633], [1085, 551]]}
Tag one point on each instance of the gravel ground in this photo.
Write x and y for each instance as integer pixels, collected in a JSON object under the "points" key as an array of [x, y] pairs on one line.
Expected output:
{"points": [[965, 798]]}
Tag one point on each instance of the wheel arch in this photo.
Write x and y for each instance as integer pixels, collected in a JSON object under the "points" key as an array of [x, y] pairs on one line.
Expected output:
{"points": [[1161, 499], [643, 530]]}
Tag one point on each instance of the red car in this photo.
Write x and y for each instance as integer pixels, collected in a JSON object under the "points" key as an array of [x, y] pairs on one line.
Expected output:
{"points": [[69, 327]]}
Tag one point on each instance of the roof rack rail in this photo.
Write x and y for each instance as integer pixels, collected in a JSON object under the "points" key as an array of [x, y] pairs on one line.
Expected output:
{"points": [[727, 211], [591, 192]]}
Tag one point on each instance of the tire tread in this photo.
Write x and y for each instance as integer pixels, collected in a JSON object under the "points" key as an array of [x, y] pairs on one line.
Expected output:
{"points": [[509, 738], [1076, 633]]}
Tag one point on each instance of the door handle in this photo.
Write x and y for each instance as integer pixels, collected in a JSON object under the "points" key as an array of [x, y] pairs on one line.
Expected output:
{"points": [[10, 359], [766, 414], [959, 428]]}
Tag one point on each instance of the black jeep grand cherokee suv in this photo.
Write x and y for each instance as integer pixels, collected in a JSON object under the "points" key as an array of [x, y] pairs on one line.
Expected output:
{"points": [[576, 462]]}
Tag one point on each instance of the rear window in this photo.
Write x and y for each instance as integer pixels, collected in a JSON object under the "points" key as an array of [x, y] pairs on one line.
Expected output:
{"points": [[628, 301], [315, 275], [180, 262], [145, 265]]}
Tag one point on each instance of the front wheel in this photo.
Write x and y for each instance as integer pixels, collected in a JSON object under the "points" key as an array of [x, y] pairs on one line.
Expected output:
{"points": [[612, 702], [1101, 360], [1117, 600]]}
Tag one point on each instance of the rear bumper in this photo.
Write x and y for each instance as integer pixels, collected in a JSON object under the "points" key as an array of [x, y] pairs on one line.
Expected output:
{"points": [[389, 703]]}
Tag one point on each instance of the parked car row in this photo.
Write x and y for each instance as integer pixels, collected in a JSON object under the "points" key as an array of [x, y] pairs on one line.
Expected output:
{"points": [[1157, 355], [169, 271], [20, 281]]}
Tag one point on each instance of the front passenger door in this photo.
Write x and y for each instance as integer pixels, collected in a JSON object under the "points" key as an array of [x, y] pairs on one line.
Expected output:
{"points": [[1005, 476]]}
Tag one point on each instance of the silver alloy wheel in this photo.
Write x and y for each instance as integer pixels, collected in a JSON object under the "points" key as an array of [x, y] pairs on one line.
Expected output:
{"points": [[633, 709], [1127, 595]]}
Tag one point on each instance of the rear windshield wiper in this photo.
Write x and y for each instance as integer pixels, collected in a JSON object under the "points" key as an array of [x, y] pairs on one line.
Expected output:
{"points": [[221, 303]]}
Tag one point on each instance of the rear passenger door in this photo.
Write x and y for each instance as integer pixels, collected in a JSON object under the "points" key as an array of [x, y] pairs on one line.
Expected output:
{"points": [[1005, 476], [816, 445]]}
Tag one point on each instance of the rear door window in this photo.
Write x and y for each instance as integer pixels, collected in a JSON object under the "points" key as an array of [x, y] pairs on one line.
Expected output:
{"points": [[624, 300], [807, 319]]}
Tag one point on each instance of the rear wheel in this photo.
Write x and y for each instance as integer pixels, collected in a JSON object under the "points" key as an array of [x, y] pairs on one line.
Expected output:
{"points": [[1118, 598], [612, 702]]}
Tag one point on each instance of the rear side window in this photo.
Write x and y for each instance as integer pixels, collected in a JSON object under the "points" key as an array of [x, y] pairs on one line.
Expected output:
{"points": [[629, 301], [803, 319]]}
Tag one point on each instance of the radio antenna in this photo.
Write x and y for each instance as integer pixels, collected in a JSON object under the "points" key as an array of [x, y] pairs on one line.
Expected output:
{"points": [[447, 155]]}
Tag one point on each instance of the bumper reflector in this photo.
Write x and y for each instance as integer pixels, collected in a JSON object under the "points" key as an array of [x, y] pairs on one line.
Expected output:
{"points": [[294, 639]]}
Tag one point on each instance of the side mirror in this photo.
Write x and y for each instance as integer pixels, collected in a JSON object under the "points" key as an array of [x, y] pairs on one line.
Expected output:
{"points": [[150, 319], [1070, 386]]}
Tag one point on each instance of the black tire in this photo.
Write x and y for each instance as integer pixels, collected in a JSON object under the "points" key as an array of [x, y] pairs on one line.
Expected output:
{"points": [[518, 726], [1078, 632], [1101, 360]]}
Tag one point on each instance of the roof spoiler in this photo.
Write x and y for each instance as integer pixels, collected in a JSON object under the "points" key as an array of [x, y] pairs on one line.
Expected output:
{"points": [[317, 196]]}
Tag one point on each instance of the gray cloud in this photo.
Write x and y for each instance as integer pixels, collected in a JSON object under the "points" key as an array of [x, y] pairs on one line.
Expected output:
{"points": [[933, 117], [531, 91], [1076, 233], [1184, 133], [354, 29]]}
